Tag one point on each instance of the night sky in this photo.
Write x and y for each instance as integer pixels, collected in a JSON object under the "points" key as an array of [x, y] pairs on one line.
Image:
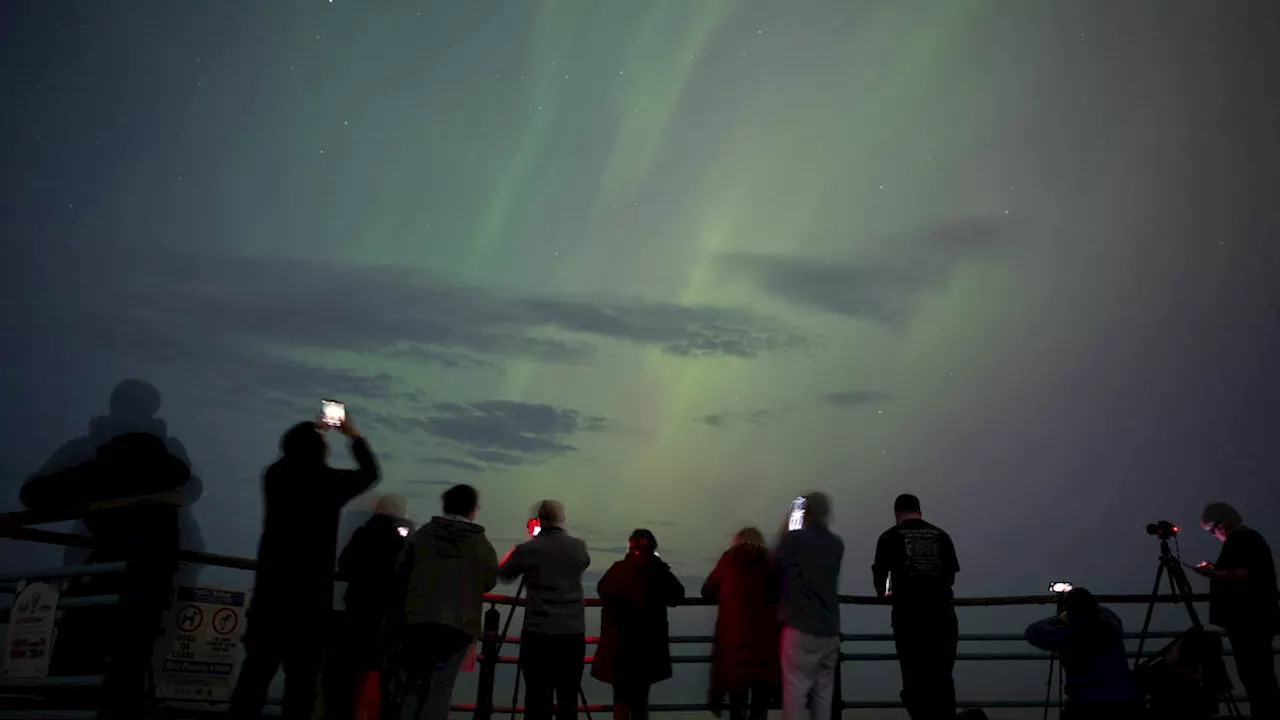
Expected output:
{"points": [[672, 262]]}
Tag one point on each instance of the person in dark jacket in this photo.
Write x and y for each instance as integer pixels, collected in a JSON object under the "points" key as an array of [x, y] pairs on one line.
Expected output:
{"points": [[634, 650], [290, 613], [1243, 601], [369, 563], [448, 567], [554, 642], [809, 565], [744, 653], [144, 537], [1089, 640]]}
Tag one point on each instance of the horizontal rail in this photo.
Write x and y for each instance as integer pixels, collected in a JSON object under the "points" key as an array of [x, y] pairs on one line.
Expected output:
{"points": [[885, 637], [23, 518], [84, 601], [69, 571]]}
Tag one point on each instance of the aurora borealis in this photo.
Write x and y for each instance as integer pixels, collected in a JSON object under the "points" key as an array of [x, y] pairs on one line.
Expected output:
{"points": [[670, 261]]}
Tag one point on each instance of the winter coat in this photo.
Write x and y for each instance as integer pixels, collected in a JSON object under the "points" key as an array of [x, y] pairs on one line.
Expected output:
{"points": [[450, 565], [552, 564], [745, 585], [299, 545], [374, 590], [634, 646]]}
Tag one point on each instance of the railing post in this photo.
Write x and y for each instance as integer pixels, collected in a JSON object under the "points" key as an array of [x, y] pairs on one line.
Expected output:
{"points": [[488, 665]]}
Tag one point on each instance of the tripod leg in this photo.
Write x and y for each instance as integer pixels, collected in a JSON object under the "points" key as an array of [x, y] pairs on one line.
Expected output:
{"points": [[1183, 591], [1048, 685], [1146, 622], [586, 706]]}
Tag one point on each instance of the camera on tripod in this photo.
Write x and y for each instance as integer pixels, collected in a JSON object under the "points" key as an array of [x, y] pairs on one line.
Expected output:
{"points": [[1162, 529]]}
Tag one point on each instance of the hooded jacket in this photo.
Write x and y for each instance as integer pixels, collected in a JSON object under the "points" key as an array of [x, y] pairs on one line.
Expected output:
{"points": [[449, 565]]}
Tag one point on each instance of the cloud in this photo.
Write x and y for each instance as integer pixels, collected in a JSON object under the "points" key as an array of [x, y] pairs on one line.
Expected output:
{"points": [[497, 457], [459, 464], [852, 398], [727, 418], [883, 286], [392, 312], [508, 432]]}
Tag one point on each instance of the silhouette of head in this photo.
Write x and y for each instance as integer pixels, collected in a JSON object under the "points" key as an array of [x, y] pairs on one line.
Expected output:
{"points": [[142, 455], [1081, 606], [304, 442], [550, 513], [817, 509], [392, 506], [135, 400], [905, 507], [642, 542], [1220, 520], [460, 500], [749, 536]]}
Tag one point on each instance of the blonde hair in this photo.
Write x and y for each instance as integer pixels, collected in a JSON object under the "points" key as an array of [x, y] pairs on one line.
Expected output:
{"points": [[749, 536], [391, 505]]}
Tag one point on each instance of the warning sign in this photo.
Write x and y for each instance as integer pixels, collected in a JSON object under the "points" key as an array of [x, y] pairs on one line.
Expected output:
{"points": [[29, 640], [190, 618], [226, 620], [197, 659]]}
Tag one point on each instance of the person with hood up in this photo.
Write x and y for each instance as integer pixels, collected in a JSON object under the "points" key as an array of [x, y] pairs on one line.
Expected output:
{"points": [[1090, 641], [634, 650], [373, 601], [291, 612], [145, 537], [448, 566], [744, 653]]}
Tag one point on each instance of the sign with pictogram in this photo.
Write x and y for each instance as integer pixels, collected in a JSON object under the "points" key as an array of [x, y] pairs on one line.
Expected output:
{"points": [[28, 643], [198, 656], [189, 618], [225, 621]]}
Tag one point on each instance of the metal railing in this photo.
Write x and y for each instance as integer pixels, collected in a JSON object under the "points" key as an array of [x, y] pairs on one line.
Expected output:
{"points": [[14, 526]]}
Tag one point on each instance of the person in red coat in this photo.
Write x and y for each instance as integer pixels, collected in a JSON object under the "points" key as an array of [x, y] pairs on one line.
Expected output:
{"points": [[634, 652], [744, 655]]}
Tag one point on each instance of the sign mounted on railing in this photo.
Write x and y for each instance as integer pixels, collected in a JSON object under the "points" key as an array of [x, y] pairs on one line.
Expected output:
{"points": [[28, 642], [197, 659]]}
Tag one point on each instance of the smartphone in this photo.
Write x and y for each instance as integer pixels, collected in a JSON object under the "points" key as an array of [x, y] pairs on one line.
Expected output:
{"points": [[795, 520], [1059, 588], [1193, 566], [333, 413], [532, 528]]}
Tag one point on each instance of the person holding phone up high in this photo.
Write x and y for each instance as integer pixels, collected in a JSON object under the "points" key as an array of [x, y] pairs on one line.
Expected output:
{"points": [[292, 606]]}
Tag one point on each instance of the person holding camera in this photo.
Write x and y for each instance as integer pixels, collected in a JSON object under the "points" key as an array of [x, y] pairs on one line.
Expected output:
{"points": [[1089, 639], [1242, 601], [554, 642]]}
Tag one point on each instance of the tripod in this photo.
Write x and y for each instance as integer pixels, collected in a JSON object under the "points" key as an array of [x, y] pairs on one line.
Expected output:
{"points": [[1048, 685], [1180, 588], [515, 692]]}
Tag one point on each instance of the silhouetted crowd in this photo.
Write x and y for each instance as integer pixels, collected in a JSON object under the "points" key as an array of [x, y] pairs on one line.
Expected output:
{"points": [[414, 602]]}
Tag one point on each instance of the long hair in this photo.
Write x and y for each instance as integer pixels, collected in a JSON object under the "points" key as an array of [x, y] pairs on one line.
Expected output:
{"points": [[1091, 632], [749, 536]]}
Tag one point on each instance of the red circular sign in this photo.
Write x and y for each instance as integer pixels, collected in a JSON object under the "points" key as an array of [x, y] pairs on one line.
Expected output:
{"points": [[225, 621], [189, 618]]}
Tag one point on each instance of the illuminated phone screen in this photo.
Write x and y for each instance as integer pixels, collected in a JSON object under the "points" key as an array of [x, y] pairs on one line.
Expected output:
{"points": [[334, 413], [795, 520]]}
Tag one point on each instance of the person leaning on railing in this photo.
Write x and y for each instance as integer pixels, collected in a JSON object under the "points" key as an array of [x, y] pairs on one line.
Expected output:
{"points": [[1089, 639], [744, 649], [635, 650]]}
